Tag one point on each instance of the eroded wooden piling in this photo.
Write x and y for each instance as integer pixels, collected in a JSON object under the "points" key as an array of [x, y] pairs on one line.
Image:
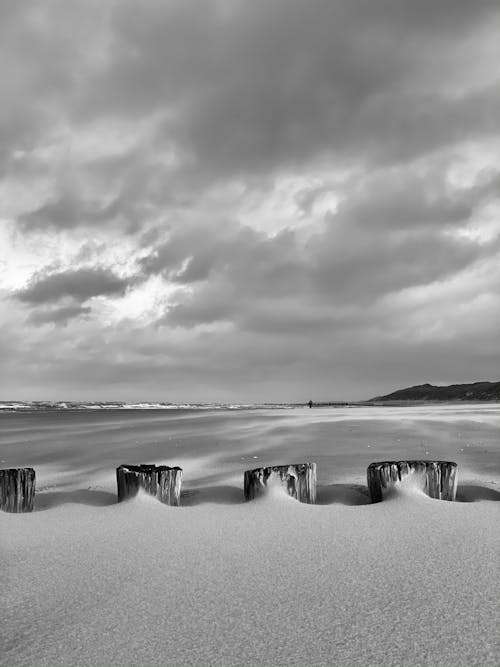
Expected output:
{"points": [[299, 480], [163, 482], [439, 478], [17, 489]]}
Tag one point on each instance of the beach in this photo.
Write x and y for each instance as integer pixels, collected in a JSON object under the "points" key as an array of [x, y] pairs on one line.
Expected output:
{"points": [[218, 581]]}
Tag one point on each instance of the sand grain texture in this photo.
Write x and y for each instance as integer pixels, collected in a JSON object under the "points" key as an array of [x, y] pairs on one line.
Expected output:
{"points": [[409, 581]]}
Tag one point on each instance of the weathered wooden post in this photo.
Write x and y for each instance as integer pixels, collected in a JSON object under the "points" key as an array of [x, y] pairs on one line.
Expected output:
{"points": [[17, 489], [298, 479], [439, 477], [162, 482]]}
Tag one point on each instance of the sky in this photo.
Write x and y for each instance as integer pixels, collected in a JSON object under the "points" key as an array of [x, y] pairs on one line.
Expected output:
{"points": [[265, 200]]}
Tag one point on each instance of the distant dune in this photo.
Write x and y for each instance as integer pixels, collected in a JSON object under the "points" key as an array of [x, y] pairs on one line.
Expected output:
{"points": [[476, 391]]}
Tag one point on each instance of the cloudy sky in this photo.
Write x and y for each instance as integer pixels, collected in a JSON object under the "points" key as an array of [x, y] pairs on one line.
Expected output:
{"points": [[225, 200]]}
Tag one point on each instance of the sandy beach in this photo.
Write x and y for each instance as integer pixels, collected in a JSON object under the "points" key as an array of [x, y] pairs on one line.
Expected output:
{"points": [[409, 581]]}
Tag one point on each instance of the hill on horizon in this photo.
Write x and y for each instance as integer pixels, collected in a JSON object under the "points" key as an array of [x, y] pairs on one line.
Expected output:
{"points": [[475, 391]]}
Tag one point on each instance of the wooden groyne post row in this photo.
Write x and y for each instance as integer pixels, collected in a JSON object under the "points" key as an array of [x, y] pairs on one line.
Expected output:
{"points": [[439, 478], [17, 489], [163, 482], [299, 480]]}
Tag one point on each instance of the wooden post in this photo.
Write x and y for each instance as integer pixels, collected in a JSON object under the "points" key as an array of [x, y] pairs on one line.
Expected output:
{"points": [[439, 477], [298, 479], [162, 482], [17, 489]]}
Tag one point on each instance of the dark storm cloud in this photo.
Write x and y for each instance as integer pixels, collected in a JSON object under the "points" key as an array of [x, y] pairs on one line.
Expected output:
{"points": [[262, 299], [79, 284], [246, 88], [405, 199], [258, 367], [234, 254], [130, 190], [393, 230], [250, 86], [59, 316], [369, 265], [42, 65], [254, 87], [276, 285], [68, 212]]}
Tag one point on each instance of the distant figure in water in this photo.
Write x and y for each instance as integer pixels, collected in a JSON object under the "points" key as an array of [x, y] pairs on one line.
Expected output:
{"points": [[310, 404]]}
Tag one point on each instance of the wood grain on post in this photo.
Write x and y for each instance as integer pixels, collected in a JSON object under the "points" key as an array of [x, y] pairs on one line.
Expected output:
{"points": [[298, 479], [439, 477], [17, 489], [163, 482]]}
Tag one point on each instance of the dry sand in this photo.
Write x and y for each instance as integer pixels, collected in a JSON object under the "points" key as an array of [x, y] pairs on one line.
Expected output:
{"points": [[410, 581]]}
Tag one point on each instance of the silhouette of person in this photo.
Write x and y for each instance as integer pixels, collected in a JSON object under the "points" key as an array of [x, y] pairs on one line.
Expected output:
{"points": [[310, 404]]}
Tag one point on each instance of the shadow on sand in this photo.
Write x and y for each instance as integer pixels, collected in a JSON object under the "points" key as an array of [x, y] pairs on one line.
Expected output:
{"points": [[469, 493], [329, 494], [221, 495], [92, 497], [344, 494]]}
